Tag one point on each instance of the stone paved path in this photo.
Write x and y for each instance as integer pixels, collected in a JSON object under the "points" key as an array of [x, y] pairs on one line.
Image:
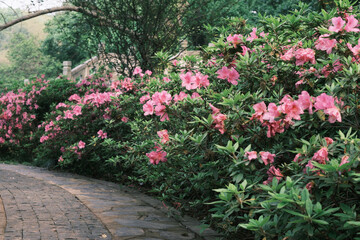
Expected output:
{"points": [[39, 204]]}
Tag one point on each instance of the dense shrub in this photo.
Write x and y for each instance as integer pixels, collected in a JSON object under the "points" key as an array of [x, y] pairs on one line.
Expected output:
{"points": [[261, 132]]}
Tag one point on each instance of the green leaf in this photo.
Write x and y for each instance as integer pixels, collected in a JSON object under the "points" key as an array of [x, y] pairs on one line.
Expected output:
{"points": [[309, 207], [294, 213], [321, 222]]}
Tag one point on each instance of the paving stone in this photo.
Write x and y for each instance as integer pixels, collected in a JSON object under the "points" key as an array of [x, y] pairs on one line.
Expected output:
{"points": [[50, 205], [127, 232], [37, 210]]}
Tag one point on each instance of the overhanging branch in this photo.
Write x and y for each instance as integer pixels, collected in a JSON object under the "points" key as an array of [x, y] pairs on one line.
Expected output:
{"points": [[46, 11]]}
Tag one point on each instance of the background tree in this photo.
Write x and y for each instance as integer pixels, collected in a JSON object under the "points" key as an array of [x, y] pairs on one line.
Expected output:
{"points": [[68, 38], [27, 60]]}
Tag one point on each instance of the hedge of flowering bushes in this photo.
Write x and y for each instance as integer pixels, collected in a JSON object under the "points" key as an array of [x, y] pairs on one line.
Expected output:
{"points": [[258, 137]]}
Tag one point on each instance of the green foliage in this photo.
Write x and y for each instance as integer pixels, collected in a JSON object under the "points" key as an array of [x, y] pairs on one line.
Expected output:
{"points": [[68, 38], [27, 61], [269, 151]]}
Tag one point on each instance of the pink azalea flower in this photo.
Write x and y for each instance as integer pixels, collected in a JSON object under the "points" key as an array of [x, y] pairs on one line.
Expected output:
{"points": [[324, 101], [223, 73], [235, 40], [144, 98], [296, 158], [219, 122], [187, 80], [344, 160], [160, 111], [157, 156], [251, 155], [175, 62], [214, 109], [60, 105], [273, 172], [148, 108], [325, 44], [148, 72], [68, 115], [137, 71], [328, 140], [163, 134], [306, 101], [271, 113], [356, 49], [60, 159], [233, 76], [77, 110], [81, 144], [304, 55], [179, 97], [252, 36], [2, 140], [201, 80], [321, 156], [267, 157], [260, 109], [165, 98], [288, 55], [274, 127], [338, 23], [334, 114], [165, 79], [102, 134], [44, 138], [292, 110], [74, 97], [351, 24], [124, 119], [195, 95]]}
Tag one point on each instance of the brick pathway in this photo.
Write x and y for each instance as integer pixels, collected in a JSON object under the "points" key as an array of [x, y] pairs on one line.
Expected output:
{"points": [[39, 204]]}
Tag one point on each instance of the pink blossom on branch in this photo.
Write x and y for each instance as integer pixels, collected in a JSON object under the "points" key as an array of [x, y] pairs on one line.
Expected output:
{"points": [[163, 134], [102, 134], [251, 155], [325, 44], [157, 156], [351, 24], [81, 144], [304, 55], [252, 36], [321, 156], [338, 24], [231, 75], [234, 40], [267, 157], [273, 172]]}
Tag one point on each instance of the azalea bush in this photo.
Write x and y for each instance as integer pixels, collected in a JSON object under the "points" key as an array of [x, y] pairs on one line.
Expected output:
{"points": [[258, 134]]}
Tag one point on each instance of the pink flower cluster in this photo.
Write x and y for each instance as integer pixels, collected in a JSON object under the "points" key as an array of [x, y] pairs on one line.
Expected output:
{"points": [[193, 81], [278, 117], [325, 44], [16, 118], [301, 55], [156, 104], [157, 156], [350, 24], [235, 40], [231, 75], [163, 135], [218, 119], [268, 159]]}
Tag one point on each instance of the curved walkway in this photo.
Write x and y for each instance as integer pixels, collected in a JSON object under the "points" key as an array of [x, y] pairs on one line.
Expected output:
{"points": [[39, 204]]}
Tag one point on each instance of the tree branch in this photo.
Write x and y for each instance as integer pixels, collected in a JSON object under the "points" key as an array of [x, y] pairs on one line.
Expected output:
{"points": [[45, 11]]}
